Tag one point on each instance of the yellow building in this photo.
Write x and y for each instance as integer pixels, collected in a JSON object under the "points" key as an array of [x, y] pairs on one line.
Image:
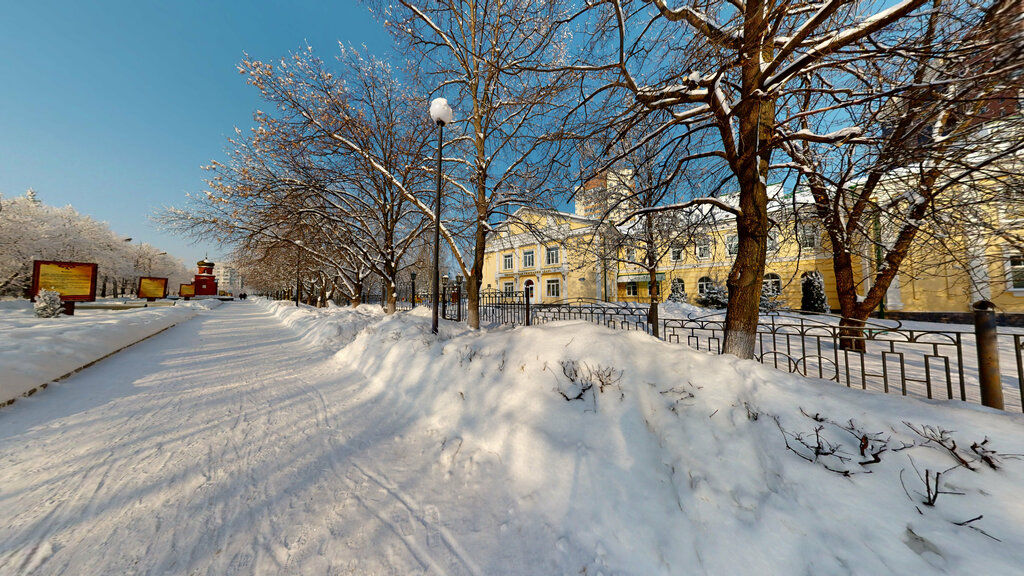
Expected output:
{"points": [[548, 253], [557, 257]]}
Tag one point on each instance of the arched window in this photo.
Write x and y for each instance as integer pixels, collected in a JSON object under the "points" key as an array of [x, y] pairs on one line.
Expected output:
{"points": [[678, 285], [704, 284], [772, 283]]}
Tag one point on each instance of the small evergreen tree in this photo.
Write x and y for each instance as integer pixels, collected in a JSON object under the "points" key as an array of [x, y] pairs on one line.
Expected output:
{"points": [[715, 296], [770, 300], [48, 304], [813, 298], [678, 293]]}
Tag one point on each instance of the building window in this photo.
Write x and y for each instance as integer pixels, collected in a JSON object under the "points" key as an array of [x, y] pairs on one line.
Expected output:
{"points": [[732, 244], [631, 289], [772, 283], [704, 247], [506, 262], [630, 255], [704, 284], [529, 289], [552, 289], [677, 254], [509, 288], [807, 235], [551, 255], [527, 258], [773, 240], [1017, 272]]}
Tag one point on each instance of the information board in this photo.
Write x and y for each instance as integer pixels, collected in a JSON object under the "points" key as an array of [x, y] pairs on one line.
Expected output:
{"points": [[75, 281]]}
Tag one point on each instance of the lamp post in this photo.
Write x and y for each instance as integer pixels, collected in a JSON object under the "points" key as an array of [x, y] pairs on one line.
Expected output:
{"points": [[298, 261], [441, 114], [412, 277], [149, 263]]}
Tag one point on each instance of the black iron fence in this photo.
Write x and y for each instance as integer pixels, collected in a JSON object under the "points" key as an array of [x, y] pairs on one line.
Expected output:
{"points": [[885, 355]]}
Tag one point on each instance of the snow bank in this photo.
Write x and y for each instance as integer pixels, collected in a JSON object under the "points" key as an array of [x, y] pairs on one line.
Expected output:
{"points": [[36, 351], [628, 455]]}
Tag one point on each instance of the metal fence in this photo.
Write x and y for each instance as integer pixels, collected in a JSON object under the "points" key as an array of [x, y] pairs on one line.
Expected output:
{"points": [[938, 364]]}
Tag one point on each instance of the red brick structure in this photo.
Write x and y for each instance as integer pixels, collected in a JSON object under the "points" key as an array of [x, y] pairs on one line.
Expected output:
{"points": [[205, 283]]}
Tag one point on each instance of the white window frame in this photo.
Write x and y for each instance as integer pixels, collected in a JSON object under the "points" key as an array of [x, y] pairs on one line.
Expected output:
{"points": [[507, 261], [808, 232], [773, 240], [548, 251], [632, 289], [1012, 272], [508, 288], [528, 261], [676, 254], [703, 248], [703, 284], [552, 288], [732, 244], [773, 281]]}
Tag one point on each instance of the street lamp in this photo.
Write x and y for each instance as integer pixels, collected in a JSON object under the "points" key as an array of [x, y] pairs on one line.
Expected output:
{"points": [[412, 277], [441, 114], [298, 261], [149, 263]]}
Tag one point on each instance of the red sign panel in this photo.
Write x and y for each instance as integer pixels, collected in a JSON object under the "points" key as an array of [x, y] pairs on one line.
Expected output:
{"points": [[76, 281]]}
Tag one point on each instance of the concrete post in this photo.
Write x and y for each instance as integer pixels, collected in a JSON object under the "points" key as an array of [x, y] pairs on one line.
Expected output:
{"points": [[988, 354]]}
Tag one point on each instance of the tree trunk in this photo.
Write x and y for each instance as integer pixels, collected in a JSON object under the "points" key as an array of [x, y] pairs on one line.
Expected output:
{"points": [[852, 336], [475, 279], [390, 298]]}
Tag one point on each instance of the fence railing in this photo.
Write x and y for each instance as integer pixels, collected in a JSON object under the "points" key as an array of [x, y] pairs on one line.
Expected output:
{"points": [[882, 355]]}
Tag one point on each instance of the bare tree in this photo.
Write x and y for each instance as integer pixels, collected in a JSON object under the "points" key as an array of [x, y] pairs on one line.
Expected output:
{"points": [[725, 75], [933, 155], [484, 56], [329, 173]]}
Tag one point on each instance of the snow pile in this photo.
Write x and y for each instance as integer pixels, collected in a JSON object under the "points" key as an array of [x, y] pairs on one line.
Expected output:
{"points": [[325, 327], [35, 351], [594, 452]]}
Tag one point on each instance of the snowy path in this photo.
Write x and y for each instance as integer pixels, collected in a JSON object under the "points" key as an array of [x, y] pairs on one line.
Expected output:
{"points": [[227, 446]]}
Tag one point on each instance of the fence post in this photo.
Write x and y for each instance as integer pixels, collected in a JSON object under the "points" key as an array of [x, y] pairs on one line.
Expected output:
{"points": [[526, 301], [987, 340], [458, 302]]}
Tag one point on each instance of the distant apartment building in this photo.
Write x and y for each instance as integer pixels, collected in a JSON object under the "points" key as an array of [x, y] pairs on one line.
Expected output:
{"points": [[229, 280]]}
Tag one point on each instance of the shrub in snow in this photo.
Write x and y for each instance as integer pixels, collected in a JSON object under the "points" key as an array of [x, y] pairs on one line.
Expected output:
{"points": [[813, 293], [678, 293], [770, 300], [48, 304], [715, 296]]}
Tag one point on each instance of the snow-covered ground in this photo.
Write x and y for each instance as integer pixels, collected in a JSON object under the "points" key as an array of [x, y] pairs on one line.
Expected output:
{"points": [[260, 438], [35, 351]]}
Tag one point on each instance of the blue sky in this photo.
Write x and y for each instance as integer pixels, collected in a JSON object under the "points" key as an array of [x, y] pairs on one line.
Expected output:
{"points": [[113, 106]]}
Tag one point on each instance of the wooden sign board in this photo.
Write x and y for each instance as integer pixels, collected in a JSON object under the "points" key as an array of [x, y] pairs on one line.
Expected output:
{"points": [[75, 281], [187, 290], [150, 287]]}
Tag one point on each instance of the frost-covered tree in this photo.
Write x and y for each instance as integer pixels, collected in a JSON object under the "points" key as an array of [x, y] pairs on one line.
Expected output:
{"points": [[678, 292], [771, 300], [812, 290], [32, 230], [48, 304], [715, 296]]}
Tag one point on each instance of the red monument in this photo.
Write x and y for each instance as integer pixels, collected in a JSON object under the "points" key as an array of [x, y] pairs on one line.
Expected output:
{"points": [[205, 283]]}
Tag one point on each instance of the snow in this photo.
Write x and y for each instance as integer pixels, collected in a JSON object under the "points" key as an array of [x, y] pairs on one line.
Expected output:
{"points": [[264, 438], [35, 351]]}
